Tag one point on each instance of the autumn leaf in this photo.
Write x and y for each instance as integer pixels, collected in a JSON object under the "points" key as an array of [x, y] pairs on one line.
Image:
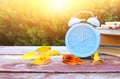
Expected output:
{"points": [[42, 60], [29, 56], [97, 59], [53, 53], [41, 55], [43, 49], [72, 60], [35, 54]]}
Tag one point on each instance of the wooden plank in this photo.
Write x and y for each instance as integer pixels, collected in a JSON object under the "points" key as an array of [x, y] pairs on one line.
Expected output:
{"points": [[13, 67], [59, 75], [63, 49], [14, 64], [24, 49]]}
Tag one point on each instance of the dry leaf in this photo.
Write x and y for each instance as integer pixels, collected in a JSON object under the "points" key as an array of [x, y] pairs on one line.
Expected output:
{"points": [[97, 59], [72, 60], [41, 55], [42, 60], [29, 56], [53, 53], [43, 49]]}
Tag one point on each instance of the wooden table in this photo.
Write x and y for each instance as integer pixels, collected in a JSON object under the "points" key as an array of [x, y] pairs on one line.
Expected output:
{"points": [[13, 67]]}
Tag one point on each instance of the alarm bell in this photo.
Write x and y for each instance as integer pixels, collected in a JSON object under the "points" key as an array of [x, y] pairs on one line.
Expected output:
{"points": [[92, 20]]}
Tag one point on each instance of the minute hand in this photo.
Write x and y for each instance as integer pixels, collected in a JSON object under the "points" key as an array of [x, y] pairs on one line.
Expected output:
{"points": [[85, 38]]}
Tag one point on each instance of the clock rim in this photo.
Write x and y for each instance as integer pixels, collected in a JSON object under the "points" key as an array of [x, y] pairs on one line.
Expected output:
{"points": [[97, 35]]}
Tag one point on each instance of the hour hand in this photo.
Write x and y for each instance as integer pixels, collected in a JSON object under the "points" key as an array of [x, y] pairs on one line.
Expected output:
{"points": [[85, 38], [82, 38]]}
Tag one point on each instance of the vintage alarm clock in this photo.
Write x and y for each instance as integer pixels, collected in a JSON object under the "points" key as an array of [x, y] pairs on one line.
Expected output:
{"points": [[82, 39]]}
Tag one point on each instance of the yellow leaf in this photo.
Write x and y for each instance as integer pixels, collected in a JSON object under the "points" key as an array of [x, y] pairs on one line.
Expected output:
{"points": [[43, 49], [53, 53], [97, 58], [42, 60], [29, 56]]}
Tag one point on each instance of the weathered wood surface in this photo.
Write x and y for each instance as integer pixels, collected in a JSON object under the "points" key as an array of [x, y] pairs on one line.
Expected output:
{"points": [[13, 67], [62, 49], [14, 63], [59, 75], [23, 49]]}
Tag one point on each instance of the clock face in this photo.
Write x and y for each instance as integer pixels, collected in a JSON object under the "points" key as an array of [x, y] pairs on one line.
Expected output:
{"points": [[82, 40]]}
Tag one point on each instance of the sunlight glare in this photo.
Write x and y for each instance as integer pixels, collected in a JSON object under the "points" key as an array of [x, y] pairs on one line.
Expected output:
{"points": [[58, 5]]}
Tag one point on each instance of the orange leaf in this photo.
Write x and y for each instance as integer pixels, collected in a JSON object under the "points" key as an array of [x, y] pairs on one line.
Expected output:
{"points": [[71, 59]]}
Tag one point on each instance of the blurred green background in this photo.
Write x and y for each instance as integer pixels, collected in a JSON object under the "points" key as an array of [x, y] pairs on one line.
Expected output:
{"points": [[44, 22]]}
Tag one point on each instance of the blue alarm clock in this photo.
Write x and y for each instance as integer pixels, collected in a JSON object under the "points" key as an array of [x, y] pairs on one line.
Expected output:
{"points": [[82, 39]]}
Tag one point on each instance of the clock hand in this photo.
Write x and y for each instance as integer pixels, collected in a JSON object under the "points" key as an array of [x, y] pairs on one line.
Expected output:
{"points": [[86, 38], [82, 36]]}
